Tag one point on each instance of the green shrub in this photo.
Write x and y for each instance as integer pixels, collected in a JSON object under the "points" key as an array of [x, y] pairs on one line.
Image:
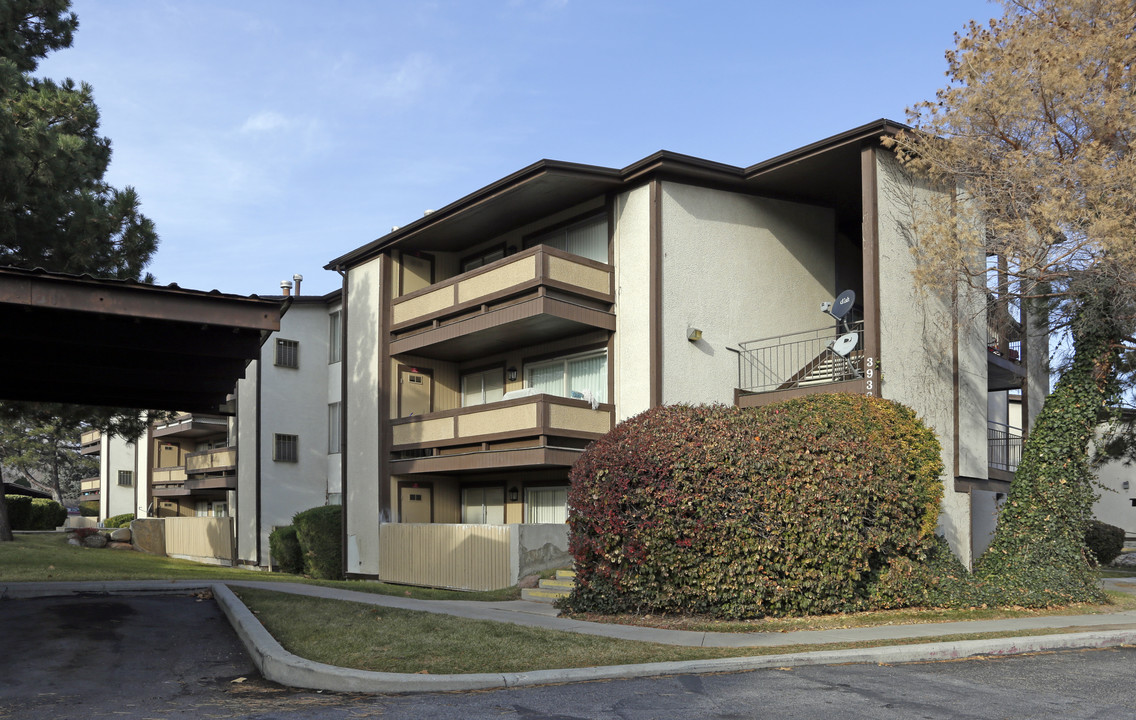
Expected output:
{"points": [[285, 548], [119, 521], [321, 543], [1105, 542], [823, 504], [19, 511], [89, 508], [25, 513], [47, 514]]}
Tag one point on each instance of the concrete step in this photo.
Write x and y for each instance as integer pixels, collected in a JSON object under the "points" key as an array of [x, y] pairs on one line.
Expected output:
{"points": [[565, 574], [549, 584], [544, 595]]}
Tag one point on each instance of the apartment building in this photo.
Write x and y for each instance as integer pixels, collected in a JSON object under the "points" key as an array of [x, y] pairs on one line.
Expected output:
{"points": [[118, 489], [488, 342]]}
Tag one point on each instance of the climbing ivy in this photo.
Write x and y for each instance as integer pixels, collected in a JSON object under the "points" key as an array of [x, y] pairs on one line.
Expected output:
{"points": [[1038, 556]]}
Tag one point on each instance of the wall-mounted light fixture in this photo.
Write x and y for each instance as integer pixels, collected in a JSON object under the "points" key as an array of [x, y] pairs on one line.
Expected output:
{"points": [[514, 494], [511, 374], [693, 334]]}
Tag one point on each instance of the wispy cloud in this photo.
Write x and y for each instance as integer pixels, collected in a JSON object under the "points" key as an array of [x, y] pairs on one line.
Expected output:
{"points": [[265, 122], [404, 81]]}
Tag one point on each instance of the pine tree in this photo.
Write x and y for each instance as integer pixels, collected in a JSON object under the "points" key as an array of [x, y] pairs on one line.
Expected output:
{"points": [[56, 210]]}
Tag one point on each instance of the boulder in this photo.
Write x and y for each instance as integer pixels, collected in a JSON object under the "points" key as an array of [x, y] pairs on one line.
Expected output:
{"points": [[121, 535], [148, 535], [115, 545], [74, 541], [97, 540], [1127, 560]]}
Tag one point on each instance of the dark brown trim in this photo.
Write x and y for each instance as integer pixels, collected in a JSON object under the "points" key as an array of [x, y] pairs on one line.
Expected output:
{"points": [[870, 240], [257, 483], [415, 484], [417, 370], [343, 423], [655, 289], [402, 267], [384, 439], [746, 400], [965, 484], [590, 347], [491, 460], [527, 238], [481, 254]]}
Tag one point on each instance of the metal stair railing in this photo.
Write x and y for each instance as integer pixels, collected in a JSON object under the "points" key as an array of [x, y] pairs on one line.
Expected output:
{"points": [[800, 359]]}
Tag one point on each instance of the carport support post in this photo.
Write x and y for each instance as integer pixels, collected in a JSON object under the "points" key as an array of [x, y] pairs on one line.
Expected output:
{"points": [[5, 525]]}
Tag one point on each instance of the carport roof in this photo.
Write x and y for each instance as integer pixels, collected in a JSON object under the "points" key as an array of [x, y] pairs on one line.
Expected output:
{"points": [[89, 341]]}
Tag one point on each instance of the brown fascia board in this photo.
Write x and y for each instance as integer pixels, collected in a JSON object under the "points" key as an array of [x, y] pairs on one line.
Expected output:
{"points": [[873, 130], [663, 163], [478, 197], [83, 293]]}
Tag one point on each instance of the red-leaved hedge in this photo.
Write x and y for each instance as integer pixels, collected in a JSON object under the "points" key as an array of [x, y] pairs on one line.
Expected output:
{"points": [[796, 508]]}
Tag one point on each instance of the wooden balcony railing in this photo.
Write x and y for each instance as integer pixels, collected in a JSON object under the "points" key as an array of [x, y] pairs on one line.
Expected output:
{"points": [[163, 476], [565, 291], [536, 415], [211, 461]]}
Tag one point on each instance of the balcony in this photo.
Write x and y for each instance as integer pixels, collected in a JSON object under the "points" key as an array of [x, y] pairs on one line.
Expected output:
{"points": [[527, 432], [169, 482], [534, 296], [90, 442], [90, 489], [189, 425], [803, 363], [1004, 444]]}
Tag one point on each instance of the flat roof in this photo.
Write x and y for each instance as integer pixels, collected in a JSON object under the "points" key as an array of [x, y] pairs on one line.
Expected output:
{"points": [[90, 341]]}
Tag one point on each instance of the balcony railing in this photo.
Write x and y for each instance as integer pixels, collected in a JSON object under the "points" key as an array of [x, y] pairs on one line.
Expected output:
{"points": [[165, 476], [1004, 446], [552, 293], [799, 360], [206, 461], [90, 442]]}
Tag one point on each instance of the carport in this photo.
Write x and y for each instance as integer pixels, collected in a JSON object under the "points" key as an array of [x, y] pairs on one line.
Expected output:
{"points": [[87, 341]]}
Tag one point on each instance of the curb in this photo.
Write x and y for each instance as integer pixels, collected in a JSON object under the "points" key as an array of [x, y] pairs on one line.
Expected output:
{"points": [[278, 665]]}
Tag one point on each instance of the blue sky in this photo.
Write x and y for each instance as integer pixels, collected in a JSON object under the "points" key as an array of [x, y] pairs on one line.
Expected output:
{"points": [[267, 137]]}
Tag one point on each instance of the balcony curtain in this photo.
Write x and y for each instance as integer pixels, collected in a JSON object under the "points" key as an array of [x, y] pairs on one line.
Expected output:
{"points": [[589, 373], [589, 239]]}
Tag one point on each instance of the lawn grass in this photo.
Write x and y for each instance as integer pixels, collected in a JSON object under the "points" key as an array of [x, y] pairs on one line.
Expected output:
{"points": [[366, 637], [44, 557]]}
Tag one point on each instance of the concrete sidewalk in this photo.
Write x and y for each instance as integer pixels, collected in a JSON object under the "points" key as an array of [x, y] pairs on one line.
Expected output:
{"points": [[278, 665]]}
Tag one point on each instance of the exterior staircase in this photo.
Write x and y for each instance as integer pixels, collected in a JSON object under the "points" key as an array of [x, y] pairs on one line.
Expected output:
{"points": [[551, 589]]}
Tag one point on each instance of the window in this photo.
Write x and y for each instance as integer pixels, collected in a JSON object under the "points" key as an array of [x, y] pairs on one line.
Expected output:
{"points": [[483, 387], [587, 237], [546, 505], [482, 258], [333, 426], [285, 448], [125, 477], [334, 338], [202, 509], [288, 353], [571, 376], [214, 508], [483, 505]]}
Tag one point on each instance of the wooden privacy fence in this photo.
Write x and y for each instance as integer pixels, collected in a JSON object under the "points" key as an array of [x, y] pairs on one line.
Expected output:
{"points": [[464, 557], [208, 539]]}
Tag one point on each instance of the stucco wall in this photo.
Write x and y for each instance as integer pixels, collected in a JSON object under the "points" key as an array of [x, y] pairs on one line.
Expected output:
{"points": [[116, 454], [917, 354], [1115, 505], [363, 451], [737, 268], [632, 251], [244, 520]]}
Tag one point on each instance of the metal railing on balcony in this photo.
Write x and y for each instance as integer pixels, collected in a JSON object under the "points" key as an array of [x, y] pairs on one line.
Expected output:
{"points": [[801, 359], [1005, 446]]}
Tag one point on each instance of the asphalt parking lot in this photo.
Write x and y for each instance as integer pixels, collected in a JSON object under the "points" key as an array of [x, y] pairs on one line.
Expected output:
{"points": [[69, 657]]}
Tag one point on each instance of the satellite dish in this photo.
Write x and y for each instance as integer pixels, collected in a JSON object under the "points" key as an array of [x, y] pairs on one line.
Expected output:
{"points": [[843, 304], [845, 344]]}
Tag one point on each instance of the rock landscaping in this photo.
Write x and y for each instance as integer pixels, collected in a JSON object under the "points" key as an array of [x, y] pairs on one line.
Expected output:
{"points": [[117, 539]]}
